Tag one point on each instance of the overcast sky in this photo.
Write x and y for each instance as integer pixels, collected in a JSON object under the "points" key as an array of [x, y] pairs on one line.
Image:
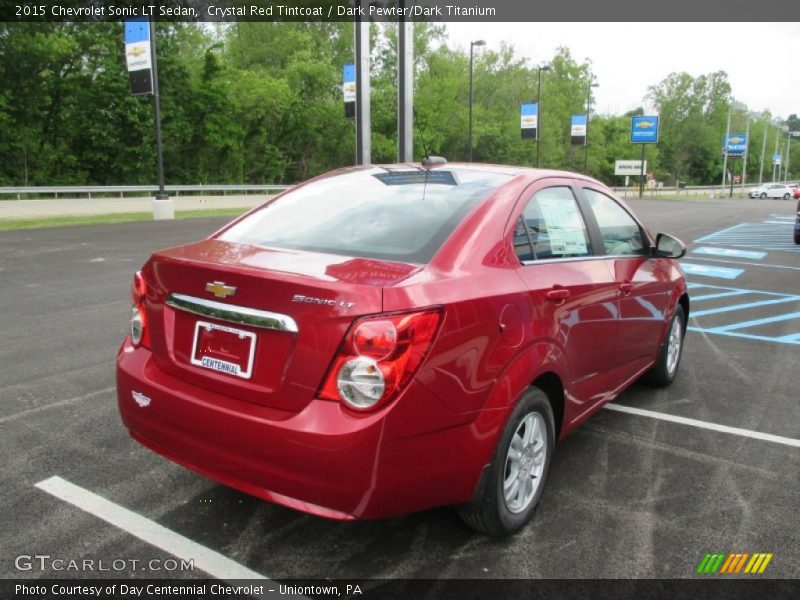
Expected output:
{"points": [[762, 60]]}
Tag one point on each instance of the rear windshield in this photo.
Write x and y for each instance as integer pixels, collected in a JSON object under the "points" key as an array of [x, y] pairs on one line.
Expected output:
{"points": [[375, 213]]}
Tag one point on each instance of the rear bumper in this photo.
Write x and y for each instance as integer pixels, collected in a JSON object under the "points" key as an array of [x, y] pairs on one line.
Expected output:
{"points": [[320, 460]]}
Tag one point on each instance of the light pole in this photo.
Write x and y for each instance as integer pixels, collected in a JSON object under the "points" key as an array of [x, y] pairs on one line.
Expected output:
{"points": [[746, 149], [539, 110], [592, 84], [776, 168], [788, 145], [763, 152], [471, 58], [725, 149]]}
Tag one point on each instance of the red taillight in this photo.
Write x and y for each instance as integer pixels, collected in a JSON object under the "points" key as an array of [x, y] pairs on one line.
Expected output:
{"points": [[375, 339], [138, 289], [140, 334], [379, 357]]}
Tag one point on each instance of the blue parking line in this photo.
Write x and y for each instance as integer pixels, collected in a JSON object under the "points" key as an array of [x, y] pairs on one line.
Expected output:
{"points": [[710, 235], [719, 295], [728, 252], [756, 322], [789, 339], [710, 271], [768, 235], [713, 311], [692, 285], [751, 264]]}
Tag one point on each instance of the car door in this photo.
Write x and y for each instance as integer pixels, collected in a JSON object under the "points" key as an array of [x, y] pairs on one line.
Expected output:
{"points": [[572, 292], [642, 286]]}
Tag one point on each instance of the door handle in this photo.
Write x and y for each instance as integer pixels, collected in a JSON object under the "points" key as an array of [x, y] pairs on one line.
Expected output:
{"points": [[557, 294], [625, 288]]}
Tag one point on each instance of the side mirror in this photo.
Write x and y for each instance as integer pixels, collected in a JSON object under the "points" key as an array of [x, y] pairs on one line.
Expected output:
{"points": [[668, 246]]}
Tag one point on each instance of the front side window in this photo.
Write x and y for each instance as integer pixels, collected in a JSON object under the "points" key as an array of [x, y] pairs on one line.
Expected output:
{"points": [[551, 226], [392, 214], [621, 235]]}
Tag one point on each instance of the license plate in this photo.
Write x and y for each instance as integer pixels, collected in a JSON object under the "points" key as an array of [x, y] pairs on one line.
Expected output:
{"points": [[223, 349]]}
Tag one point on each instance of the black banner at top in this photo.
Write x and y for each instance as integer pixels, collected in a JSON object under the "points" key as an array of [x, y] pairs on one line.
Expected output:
{"points": [[636, 12]]}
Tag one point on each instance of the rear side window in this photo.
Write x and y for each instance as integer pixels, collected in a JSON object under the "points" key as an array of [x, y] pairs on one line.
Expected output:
{"points": [[621, 235], [403, 215], [551, 226]]}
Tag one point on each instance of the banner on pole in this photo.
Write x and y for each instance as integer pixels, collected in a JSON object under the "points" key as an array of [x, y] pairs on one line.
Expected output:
{"points": [[138, 56], [529, 120], [578, 130], [349, 89]]}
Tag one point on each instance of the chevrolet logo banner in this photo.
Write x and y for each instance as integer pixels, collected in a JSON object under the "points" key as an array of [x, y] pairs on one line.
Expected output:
{"points": [[349, 90], [644, 130], [577, 130], [138, 56], [529, 120]]}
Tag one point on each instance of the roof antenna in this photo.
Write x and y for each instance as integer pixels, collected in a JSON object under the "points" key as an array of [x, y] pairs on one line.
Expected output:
{"points": [[421, 137], [425, 150], [428, 160]]}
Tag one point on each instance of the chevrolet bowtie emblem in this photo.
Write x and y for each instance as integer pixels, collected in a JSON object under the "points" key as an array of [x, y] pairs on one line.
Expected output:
{"points": [[136, 51], [219, 289]]}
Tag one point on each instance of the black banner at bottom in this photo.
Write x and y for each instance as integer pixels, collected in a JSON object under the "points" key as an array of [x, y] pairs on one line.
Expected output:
{"points": [[377, 589]]}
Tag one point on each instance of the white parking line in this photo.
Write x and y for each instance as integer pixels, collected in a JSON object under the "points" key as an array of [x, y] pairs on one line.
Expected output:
{"points": [[57, 403], [205, 559], [757, 435]]}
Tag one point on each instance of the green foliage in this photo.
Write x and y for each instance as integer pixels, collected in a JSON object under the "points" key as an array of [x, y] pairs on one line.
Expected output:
{"points": [[261, 103]]}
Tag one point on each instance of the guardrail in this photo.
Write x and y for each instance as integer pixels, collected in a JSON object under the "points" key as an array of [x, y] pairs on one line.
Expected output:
{"points": [[697, 190], [72, 191]]}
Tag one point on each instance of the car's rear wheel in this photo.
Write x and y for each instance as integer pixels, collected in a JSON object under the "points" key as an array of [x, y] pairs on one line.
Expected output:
{"points": [[763, 195], [513, 485], [786, 196], [666, 368]]}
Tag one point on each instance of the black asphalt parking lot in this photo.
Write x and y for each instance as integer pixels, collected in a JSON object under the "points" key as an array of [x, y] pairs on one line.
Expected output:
{"points": [[630, 496]]}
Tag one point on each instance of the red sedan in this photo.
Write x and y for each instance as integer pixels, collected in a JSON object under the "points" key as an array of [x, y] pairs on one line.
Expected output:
{"points": [[387, 339]]}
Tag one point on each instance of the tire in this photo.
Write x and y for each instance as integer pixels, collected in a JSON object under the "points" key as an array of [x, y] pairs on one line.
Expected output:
{"points": [[786, 197], [664, 371], [490, 511], [763, 195]]}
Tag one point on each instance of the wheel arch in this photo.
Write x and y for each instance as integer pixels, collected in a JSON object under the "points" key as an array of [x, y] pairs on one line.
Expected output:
{"points": [[550, 383]]}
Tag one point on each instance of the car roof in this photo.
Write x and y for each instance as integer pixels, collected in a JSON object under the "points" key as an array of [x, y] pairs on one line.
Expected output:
{"points": [[510, 170]]}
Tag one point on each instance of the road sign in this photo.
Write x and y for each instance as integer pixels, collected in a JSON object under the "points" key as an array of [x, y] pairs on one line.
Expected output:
{"points": [[629, 167], [777, 159], [644, 130], [578, 130], [529, 120], [736, 144]]}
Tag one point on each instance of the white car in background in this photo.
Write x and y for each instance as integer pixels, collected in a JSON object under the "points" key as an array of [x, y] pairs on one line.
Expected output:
{"points": [[772, 190]]}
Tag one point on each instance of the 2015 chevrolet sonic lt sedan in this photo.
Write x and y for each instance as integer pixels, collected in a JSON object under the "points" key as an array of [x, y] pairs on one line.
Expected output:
{"points": [[381, 340]]}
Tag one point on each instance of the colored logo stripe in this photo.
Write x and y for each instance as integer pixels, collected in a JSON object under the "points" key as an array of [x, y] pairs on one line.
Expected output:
{"points": [[732, 563]]}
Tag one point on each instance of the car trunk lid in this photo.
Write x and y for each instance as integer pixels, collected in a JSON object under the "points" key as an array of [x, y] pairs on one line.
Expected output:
{"points": [[257, 324]]}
